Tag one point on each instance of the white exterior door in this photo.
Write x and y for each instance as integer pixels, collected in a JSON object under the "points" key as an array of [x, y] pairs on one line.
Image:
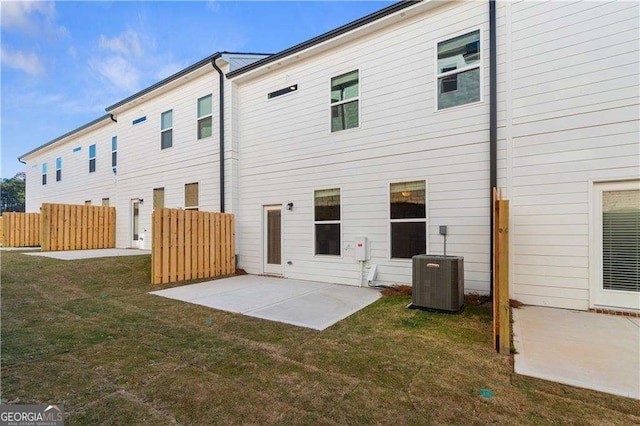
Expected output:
{"points": [[615, 279], [272, 240], [135, 223]]}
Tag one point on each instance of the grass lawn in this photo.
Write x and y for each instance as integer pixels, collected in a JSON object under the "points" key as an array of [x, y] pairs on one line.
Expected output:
{"points": [[86, 334]]}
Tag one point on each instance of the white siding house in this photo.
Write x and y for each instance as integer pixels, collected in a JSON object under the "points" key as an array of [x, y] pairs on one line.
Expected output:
{"points": [[382, 129], [72, 182]]}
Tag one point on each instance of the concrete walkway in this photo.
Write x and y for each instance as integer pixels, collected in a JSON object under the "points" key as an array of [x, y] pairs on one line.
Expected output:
{"points": [[588, 350], [90, 254], [303, 303]]}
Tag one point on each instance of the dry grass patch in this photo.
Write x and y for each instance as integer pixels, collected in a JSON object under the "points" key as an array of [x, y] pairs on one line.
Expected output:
{"points": [[87, 334]]}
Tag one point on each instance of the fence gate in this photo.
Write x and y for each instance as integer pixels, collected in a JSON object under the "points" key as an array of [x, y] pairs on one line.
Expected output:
{"points": [[501, 309], [20, 229], [191, 244]]}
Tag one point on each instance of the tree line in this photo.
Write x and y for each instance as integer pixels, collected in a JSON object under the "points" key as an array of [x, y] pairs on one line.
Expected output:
{"points": [[12, 193]]}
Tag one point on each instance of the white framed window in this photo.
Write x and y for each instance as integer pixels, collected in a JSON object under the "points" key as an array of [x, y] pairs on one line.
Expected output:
{"points": [[58, 169], [191, 196], [458, 72], [44, 173], [158, 198], [345, 100], [327, 222], [408, 219], [205, 118], [114, 152], [166, 129], [92, 158], [105, 202]]}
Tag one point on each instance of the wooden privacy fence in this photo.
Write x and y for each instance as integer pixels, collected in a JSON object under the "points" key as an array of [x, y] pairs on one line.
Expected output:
{"points": [[77, 227], [20, 229], [501, 309], [191, 244]]}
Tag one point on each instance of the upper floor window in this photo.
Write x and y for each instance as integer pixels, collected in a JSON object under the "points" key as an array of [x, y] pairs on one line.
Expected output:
{"points": [[114, 151], [44, 173], [166, 129], [459, 70], [288, 89], [204, 117], [158, 198], [58, 169], [92, 158], [327, 221], [344, 101], [408, 214], [191, 198]]}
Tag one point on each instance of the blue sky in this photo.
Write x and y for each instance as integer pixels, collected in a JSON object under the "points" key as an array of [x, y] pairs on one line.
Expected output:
{"points": [[64, 62]]}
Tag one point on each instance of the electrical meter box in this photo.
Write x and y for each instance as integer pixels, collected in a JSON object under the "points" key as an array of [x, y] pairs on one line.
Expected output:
{"points": [[361, 248]]}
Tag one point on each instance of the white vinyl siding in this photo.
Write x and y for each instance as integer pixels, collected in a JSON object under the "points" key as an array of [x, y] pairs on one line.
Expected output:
{"points": [[574, 123], [287, 153]]}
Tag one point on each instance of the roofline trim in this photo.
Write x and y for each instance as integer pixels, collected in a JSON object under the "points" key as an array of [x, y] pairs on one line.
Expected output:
{"points": [[326, 36], [188, 70], [66, 135]]}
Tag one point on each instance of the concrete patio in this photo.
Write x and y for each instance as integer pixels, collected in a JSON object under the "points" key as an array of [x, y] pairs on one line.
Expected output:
{"points": [[583, 349], [303, 303], [90, 254]]}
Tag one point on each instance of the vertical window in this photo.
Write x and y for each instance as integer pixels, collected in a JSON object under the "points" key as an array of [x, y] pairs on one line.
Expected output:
{"points": [[344, 101], [44, 173], [87, 202], [166, 129], [58, 169], [408, 214], [459, 70], [204, 117], [191, 196], [105, 202], [327, 221], [114, 151], [92, 158], [158, 198]]}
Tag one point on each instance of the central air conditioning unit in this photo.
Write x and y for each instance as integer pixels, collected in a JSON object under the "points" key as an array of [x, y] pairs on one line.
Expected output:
{"points": [[438, 283]]}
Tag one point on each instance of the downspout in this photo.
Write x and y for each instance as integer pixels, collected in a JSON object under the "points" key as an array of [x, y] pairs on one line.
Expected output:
{"points": [[113, 118], [221, 92], [493, 124]]}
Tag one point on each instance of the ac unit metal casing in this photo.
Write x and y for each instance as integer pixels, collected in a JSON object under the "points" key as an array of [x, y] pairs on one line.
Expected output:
{"points": [[438, 283]]}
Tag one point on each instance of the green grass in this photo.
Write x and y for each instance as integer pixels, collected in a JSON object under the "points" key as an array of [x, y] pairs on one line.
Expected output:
{"points": [[86, 334]]}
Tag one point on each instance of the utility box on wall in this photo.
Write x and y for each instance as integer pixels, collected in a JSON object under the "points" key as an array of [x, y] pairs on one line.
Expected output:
{"points": [[361, 248]]}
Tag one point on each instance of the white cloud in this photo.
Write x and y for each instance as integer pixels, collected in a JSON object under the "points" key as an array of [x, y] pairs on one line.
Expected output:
{"points": [[72, 51], [127, 43], [28, 62], [32, 17], [213, 5], [119, 72], [168, 69]]}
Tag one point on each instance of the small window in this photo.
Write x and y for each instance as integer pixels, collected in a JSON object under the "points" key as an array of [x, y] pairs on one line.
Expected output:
{"points": [[459, 70], [408, 213], [327, 221], [166, 129], [292, 88], [87, 202], [114, 151], [105, 202], [139, 120], [191, 196], [92, 158], [44, 173], [204, 117], [58, 169], [158, 198], [344, 101]]}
